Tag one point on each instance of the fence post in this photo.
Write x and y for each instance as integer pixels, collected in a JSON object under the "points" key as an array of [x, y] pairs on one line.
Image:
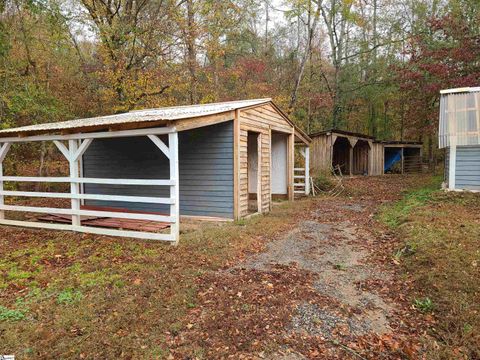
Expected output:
{"points": [[3, 152], [307, 170], [74, 173], [175, 187]]}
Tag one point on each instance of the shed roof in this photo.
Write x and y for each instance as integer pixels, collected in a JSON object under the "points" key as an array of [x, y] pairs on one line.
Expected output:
{"points": [[459, 117], [137, 116], [342, 132]]}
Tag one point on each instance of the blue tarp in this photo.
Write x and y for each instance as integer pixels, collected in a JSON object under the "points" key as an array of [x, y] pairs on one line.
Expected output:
{"points": [[391, 158]]}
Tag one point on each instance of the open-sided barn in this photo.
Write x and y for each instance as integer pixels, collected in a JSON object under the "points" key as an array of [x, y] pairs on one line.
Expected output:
{"points": [[208, 161], [359, 154]]}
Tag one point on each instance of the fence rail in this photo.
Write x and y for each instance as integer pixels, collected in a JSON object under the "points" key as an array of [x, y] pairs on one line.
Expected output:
{"points": [[73, 152]]}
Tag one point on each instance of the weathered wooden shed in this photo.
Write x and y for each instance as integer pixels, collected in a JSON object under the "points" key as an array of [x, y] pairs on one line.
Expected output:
{"points": [[360, 154], [352, 153], [459, 135], [404, 157], [223, 160]]}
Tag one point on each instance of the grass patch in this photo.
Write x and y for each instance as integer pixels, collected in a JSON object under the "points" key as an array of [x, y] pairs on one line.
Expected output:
{"points": [[396, 214], [110, 297], [441, 253], [69, 296], [11, 315]]}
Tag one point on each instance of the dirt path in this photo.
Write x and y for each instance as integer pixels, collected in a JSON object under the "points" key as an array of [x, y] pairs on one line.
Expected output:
{"points": [[333, 289]]}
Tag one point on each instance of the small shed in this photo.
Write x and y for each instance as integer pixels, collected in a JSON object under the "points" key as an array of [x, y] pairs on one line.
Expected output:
{"points": [[210, 161], [352, 153], [403, 156], [360, 154], [459, 135]]}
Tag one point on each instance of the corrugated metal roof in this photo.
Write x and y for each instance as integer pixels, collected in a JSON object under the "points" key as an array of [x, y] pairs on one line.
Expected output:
{"points": [[460, 90], [459, 118], [166, 113]]}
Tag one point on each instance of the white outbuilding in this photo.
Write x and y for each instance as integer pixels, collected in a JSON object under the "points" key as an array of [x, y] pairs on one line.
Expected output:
{"points": [[459, 134]]}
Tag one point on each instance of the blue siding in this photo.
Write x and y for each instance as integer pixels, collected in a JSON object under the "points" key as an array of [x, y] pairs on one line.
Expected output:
{"points": [[467, 172], [206, 170]]}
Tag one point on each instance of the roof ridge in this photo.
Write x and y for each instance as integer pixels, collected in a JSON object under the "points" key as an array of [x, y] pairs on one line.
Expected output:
{"points": [[259, 100]]}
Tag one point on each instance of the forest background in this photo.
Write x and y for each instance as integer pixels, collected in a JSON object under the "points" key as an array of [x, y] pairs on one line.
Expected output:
{"points": [[369, 66]]}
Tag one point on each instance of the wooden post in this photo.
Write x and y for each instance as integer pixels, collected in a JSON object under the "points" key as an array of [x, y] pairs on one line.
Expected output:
{"points": [[236, 165], [3, 153], [452, 162], [290, 167], [403, 161], [350, 161], [259, 173], [175, 188], [307, 170], [74, 186]]}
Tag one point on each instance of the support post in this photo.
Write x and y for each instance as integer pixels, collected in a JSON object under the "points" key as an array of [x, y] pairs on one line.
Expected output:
{"points": [[3, 152], [452, 162], [259, 173], [350, 161], [74, 173], [291, 165], [307, 170], [175, 188], [403, 161]]}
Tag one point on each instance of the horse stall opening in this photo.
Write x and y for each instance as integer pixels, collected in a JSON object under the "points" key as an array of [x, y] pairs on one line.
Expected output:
{"points": [[341, 154]]}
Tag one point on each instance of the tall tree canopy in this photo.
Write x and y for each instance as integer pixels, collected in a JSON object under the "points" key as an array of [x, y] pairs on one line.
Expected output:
{"points": [[373, 66]]}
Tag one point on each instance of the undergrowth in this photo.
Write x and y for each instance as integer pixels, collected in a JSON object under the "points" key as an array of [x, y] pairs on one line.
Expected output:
{"points": [[441, 253]]}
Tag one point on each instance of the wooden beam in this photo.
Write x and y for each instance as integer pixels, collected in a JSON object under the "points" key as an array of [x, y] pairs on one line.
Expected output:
{"points": [[82, 148], [259, 173], [207, 120], [74, 173], [160, 144], [290, 165], [236, 165], [3, 153], [163, 182], [89, 230], [63, 149], [175, 188], [93, 135]]}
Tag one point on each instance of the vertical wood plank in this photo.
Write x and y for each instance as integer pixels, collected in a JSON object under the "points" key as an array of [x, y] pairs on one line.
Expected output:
{"points": [[291, 154], [270, 167], [3, 153], [74, 173], [174, 189], [236, 165], [307, 170], [259, 173]]}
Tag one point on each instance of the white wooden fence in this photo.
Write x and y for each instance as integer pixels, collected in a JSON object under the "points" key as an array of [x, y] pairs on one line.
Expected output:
{"points": [[73, 149], [301, 176]]}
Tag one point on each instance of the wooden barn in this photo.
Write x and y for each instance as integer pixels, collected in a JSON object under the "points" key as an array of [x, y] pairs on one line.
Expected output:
{"points": [[352, 153], [212, 161]]}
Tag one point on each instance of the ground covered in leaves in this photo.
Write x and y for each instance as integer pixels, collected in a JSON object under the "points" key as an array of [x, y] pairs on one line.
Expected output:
{"points": [[318, 278]]}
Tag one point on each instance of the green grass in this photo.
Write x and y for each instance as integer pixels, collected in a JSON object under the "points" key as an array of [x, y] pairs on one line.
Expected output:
{"points": [[441, 253], [396, 214], [67, 294]]}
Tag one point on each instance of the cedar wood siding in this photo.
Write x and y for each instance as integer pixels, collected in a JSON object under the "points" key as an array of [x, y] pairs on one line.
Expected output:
{"points": [[261, 119], [205, 166], [467, 172]]}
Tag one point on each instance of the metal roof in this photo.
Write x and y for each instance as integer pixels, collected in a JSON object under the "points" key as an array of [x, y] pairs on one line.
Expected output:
{"points": [[460, 90], [342, 132], [139, 116]]}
